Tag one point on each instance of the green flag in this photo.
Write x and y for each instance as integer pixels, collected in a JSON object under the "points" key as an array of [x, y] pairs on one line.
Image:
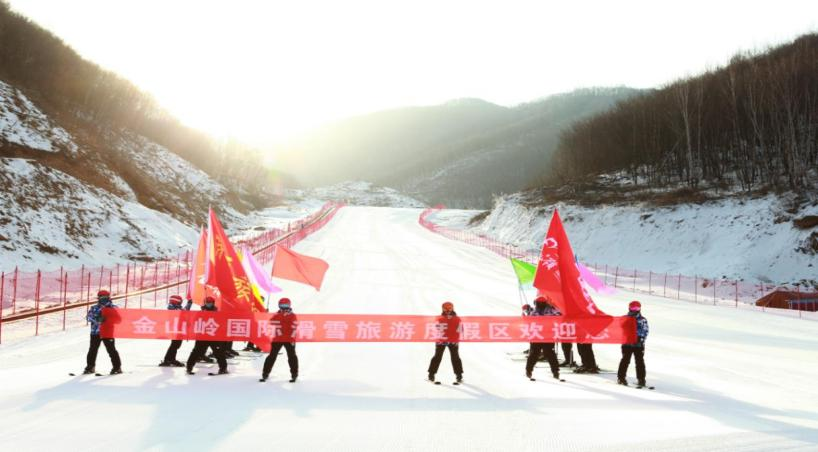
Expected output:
{"points": [[524, 270]]}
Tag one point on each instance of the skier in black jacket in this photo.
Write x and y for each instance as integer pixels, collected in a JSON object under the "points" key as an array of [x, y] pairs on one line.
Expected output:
{"points": [[452, 321], [174, 304], [542, 307], [200, 347]]}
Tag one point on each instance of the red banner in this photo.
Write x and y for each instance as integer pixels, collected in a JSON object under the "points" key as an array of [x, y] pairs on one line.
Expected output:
{"points": [[263, 328]]}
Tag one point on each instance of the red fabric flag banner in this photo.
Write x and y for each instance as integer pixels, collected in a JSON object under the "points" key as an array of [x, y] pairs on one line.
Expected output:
{"points": [[197, 290], [226, 273], [557, 275], [297, 267], [264, 328]]}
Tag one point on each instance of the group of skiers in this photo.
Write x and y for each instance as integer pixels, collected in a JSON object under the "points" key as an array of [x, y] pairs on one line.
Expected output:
{"points": [[287, 319]]}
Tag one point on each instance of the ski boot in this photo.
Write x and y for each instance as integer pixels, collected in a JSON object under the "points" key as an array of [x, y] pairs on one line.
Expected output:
{"points": [[116, 371], [176, 363], [88, 370], [622, 381]]}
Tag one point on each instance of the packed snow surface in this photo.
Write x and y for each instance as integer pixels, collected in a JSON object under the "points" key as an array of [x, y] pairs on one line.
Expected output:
{"points": [[726, 379]]}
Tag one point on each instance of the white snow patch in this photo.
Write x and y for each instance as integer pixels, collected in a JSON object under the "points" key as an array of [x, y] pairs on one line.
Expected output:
{"points": [[21, 122]]}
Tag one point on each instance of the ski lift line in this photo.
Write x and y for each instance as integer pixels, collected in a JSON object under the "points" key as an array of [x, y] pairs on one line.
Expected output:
{"points": [[36, 312]]}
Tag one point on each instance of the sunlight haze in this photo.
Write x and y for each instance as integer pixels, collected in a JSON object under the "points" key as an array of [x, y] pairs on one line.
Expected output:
{"points": [[263, 71]]}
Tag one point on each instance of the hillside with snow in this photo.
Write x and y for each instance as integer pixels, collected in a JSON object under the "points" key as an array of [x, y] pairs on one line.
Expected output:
{"points": [[73, 196], [759, 239]]}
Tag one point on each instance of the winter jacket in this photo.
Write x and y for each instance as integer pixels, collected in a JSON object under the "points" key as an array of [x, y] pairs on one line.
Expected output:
{"points": [[287, 320], [452, 322], [95, 317], [642, 329]]}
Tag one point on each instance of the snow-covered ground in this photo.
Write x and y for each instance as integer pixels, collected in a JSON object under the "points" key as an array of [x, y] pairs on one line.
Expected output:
{"points": [[726, 379], [358, 193], [739, 238]]}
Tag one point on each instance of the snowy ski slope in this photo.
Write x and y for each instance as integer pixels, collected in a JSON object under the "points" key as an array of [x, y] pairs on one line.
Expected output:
{"points": [[726, 379]]}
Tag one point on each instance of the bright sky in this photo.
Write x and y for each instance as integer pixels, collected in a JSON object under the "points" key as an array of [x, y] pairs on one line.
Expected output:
{"points": [[263, 70]]}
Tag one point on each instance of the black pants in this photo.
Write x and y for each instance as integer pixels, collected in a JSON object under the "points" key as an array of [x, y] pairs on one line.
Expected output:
{"points": [[110, 347], [199, 351], [292, 358], [454, 353], [639, 354], [170, 355], [548, 349], [566, 350], [586, 353]]}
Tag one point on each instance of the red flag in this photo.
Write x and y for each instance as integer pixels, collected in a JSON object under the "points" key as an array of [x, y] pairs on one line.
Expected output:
{"points": [[197, 290], [297, 267], [558, 277], [226, 272]]}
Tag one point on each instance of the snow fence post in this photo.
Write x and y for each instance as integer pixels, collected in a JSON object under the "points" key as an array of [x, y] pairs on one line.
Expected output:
{"points": [[101, 275], [736, 293], [63, 277], [714, 291], [127, 280], [14, 292], [616, 275], [65, 301], [634, 280], [664, 289], [155, 280], [650, 278], [679, 288], [2, 286], [88, 297], [696, 289], [37, 305], [117, 279], [606, 274]]}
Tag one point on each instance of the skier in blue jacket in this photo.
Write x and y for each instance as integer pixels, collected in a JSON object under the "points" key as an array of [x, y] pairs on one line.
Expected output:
{"points": [[95, 319], [637, 349]]}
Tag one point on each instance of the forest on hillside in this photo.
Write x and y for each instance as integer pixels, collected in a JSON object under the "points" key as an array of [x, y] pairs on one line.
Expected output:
{"points": [[750, 124], [58, 79]]}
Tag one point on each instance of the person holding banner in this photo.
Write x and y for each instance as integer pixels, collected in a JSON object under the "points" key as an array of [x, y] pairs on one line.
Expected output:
{"points": [[174, 304], [450, 329], [201, 347], [637, 349], [286, 322], [95, 319], [542, 307]]}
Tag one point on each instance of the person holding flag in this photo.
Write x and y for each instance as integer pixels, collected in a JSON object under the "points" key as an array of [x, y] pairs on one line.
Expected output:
{"points": [[200, 347], [286, 321]]}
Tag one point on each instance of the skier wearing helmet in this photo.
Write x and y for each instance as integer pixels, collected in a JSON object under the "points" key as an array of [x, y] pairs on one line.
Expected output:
{"points": [[174, 304], [450, 329], [200, 347], [95, 319], [543, 307], [637, 349], [287, 321]]}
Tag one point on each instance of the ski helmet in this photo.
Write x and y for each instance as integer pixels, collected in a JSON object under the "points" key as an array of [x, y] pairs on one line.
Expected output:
{"points": [[284, 303], [103, 294], [175, 299], [448, 306], [210, 300], [635, 306]]}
